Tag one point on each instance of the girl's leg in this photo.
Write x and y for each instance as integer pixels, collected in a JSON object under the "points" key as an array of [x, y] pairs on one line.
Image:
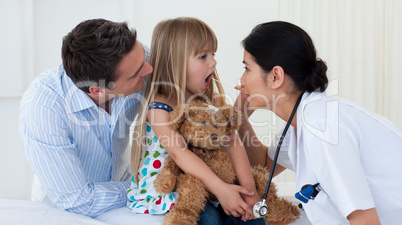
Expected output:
{"points": [[230, 220], [210, 215]]}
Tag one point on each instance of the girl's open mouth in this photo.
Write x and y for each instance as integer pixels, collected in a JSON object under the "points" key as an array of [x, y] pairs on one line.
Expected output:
{"points": [[207, 80]]}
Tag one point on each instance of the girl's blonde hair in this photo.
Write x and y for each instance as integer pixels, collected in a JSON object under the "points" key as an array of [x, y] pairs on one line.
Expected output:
{"points": [[172, 43]]}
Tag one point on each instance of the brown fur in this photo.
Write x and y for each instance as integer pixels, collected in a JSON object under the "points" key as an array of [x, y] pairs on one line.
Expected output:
{"points": [[207, 128]]}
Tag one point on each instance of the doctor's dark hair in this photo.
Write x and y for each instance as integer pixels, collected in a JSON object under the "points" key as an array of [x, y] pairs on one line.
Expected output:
{"points": [[92, 51], [284, 44]]}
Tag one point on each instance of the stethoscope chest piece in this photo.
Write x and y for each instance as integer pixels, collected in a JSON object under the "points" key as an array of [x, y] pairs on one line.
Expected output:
{"points": [[260, 209]]}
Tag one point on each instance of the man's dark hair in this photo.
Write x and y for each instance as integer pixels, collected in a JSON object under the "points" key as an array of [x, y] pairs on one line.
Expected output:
{"points": [[92, 51]]}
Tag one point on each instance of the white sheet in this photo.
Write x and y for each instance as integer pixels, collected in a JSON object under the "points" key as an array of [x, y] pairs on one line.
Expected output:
{"points": [[19, 212], [124, 216]]}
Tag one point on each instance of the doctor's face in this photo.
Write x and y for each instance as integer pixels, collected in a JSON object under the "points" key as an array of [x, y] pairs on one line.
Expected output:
{"points": [[253, 83]]}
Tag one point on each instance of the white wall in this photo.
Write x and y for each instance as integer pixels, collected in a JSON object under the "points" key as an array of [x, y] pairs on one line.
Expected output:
{"points": [[361, 48], [31, 36]]}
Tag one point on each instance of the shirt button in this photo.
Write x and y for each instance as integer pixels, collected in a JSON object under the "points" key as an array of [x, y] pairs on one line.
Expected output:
{"points": [[115, 165]]}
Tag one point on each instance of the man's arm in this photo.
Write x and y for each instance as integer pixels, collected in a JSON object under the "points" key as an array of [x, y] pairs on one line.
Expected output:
{"points": [[53, 156]]}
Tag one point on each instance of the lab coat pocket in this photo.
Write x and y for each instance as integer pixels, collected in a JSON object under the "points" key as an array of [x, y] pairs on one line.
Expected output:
{"points": [[322, 199], [324, 210], [315, 208]]}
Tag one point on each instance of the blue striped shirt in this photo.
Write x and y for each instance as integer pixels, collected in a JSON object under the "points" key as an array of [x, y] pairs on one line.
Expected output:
{"points": [[77, 150]]}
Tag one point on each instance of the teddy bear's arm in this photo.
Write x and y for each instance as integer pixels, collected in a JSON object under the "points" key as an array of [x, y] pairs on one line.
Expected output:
{"points": [[166, 180]]}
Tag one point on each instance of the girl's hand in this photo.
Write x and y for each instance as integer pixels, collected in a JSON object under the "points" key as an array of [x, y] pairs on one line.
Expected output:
{"points": [[242, 104], [229, 197]]}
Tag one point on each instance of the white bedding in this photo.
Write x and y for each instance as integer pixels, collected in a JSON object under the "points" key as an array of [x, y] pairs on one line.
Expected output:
{"points": [[19, 212], [124, 216]]}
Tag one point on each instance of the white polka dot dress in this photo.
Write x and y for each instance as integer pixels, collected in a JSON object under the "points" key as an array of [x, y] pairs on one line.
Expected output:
{"points": [[143, 198]]}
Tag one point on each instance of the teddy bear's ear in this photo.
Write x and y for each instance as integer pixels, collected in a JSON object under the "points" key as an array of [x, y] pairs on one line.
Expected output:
{"points": [[178, 116], [233, 116]]}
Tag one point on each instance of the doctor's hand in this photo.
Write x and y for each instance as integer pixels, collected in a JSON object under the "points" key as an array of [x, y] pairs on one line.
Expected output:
{"points": [[250, 200], [242, 103], [229, 197]]}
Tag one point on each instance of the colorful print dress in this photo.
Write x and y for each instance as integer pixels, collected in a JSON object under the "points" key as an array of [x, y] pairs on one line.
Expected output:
{"points": [[142, 197]]}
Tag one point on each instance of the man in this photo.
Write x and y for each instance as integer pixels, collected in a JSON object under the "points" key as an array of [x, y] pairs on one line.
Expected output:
{"points": [[75, 120]]}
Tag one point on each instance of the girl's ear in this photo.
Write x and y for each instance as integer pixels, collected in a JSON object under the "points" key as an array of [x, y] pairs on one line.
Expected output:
{"points": [[277, 77], [179, 115]]}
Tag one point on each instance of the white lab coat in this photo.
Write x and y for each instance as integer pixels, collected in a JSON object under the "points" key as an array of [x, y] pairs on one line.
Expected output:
{"points": [[354, 154]]}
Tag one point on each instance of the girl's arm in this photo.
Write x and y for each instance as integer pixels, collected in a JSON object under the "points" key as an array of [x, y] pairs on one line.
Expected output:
{"points": [[364, 217], [227, 194]]}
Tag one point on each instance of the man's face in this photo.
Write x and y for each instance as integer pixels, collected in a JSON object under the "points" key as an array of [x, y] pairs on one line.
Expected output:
{"points": [[131, 72]]}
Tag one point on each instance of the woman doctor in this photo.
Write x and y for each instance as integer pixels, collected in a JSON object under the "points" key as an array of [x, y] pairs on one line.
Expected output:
{"points": [[354, 154]]}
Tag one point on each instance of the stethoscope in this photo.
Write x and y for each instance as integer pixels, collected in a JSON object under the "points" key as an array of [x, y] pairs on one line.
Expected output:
{"points": [[260, 208]]}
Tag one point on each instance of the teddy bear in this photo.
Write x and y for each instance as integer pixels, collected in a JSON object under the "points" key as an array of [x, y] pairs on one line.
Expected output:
{"points": [[205, 129]]}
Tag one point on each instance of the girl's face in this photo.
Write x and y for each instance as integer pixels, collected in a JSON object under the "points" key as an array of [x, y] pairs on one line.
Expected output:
{"points": [[253, 83], [200, 68]]}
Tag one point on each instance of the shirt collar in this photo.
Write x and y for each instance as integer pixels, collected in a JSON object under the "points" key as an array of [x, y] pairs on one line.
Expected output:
{"points": [[76, 99]]}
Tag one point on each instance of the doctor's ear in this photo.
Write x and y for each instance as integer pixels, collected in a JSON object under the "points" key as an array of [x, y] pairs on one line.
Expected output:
{"points": [[276, 77]]}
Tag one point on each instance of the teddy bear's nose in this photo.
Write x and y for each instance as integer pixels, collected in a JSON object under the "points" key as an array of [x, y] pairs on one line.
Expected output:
{"points": [[214, 137]]}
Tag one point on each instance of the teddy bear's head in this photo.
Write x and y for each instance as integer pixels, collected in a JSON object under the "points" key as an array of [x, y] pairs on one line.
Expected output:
{"points": [[203, 125]]}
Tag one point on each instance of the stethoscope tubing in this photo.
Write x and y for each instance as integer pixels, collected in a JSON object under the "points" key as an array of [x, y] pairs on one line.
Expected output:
{"points": [[278, 148]]}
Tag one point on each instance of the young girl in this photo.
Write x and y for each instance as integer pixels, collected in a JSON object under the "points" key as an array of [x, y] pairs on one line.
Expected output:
{"points": [[182, 55]]}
